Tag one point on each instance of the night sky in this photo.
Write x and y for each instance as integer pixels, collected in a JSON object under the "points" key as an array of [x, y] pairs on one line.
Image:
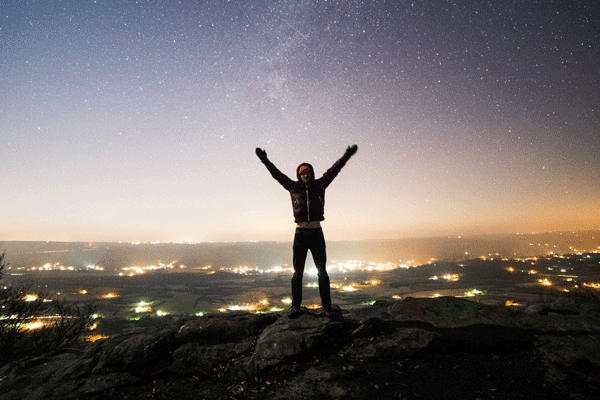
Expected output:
{"points": [[137, 120]]}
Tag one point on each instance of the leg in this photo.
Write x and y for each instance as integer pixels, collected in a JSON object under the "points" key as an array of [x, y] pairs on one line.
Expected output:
{"points": [[320, 257], [300, 251]]}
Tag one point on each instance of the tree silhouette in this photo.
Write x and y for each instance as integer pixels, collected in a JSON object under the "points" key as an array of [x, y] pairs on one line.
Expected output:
{"points": [[21, 309]]}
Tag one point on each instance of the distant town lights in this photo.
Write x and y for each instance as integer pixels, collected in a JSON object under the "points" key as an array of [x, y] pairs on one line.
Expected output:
{"points": [[592, 285], [33, 325], [473, 293]]}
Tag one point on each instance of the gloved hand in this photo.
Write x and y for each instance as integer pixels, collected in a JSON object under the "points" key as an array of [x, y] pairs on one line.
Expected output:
{"points": [[351, 150], [261, 154]]}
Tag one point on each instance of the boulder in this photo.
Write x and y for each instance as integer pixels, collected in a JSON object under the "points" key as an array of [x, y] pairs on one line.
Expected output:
{"points": [[402, 342], [291, 337], [223, 328]]}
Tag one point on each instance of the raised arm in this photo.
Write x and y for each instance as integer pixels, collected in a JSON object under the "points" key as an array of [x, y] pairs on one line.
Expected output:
{"points": [[335, 169], [279, 176]]}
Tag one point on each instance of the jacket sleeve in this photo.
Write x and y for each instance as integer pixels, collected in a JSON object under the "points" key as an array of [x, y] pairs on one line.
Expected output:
{"points": [[279, 176], [335, 169]]}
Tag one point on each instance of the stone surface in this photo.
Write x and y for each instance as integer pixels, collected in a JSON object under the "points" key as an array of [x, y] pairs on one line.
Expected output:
{"points": [[357, 354], [288, 338]]}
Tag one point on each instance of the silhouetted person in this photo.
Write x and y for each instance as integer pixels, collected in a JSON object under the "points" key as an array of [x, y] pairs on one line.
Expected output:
{"points": [[308, 201]]}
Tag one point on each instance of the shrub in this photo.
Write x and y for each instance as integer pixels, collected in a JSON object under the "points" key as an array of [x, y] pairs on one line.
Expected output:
{"points": [[62, 323]]}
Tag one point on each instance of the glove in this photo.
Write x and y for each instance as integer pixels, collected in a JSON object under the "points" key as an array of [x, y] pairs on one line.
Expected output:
{"points": [[351, 150], [261, 154]]}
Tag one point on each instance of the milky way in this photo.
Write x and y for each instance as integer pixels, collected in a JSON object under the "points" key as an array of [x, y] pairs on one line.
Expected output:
{"points": [[125, 120]]}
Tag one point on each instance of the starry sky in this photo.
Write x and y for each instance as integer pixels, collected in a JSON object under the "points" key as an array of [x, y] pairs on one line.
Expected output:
{"points": [[137, 120]]}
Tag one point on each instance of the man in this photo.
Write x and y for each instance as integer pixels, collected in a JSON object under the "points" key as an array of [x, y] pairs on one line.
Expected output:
{"points": [[308, 201]]}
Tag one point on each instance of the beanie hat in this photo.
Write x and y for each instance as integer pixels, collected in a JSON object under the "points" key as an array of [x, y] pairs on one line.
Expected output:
{"points": [[302, 168]]}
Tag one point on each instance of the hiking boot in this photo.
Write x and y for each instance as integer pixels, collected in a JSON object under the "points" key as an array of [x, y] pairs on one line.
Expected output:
{"points": [[329, 313], [294, 311]]}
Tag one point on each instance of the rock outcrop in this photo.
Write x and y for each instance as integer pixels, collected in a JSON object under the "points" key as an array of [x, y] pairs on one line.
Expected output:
{"points": [[372, 351]]}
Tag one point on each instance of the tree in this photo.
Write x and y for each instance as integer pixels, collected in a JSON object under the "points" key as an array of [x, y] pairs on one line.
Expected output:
{"points": [[20, 310]]}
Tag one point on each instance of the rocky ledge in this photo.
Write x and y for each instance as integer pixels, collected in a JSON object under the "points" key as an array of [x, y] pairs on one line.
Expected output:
{"points": [[443, 348]]}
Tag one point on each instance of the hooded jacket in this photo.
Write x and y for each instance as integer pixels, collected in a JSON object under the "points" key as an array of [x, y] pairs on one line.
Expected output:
{"points": [[308, 200]]}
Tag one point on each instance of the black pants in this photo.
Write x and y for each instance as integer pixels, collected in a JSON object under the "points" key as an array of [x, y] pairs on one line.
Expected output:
{"points": [[313, 240]]}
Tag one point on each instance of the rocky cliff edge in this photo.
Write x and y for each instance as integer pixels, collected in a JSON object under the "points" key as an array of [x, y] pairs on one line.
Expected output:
{"points": [[408, 349]]}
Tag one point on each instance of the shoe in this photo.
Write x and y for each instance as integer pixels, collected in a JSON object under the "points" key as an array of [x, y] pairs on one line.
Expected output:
{"points": [[294, 311], [329, 313]]}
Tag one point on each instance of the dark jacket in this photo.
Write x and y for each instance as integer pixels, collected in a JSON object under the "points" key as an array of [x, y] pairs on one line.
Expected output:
{"points": [[308, 200]]}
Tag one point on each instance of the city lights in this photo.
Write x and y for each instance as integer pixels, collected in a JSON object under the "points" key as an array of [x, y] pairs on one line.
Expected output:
{"points": [[592, 285], [447, 277], [57, 266], [143, 307], [93, 338], [33, 325], [260, 306], [140, 270], [354, 283], [332, 268]]}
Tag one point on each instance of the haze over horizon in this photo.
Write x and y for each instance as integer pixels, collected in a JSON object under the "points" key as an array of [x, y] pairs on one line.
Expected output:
{"points": [[138, 120]]}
